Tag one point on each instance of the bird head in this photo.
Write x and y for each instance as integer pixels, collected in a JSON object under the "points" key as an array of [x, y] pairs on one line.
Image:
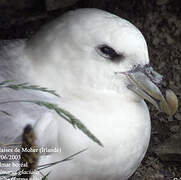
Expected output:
{"points": [[90, 49]]}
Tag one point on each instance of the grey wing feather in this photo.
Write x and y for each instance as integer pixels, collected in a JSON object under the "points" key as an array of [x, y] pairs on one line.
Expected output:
{"points": [[21, 113]]}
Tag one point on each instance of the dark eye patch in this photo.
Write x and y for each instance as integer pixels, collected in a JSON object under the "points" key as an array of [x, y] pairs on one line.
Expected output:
{"points": [[109, 53]]}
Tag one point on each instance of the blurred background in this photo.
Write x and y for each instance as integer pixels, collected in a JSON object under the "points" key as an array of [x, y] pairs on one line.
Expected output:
{"points": [[160, 23]]}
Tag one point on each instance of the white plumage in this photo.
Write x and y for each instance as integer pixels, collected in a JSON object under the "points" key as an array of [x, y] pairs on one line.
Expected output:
{"points": [[66, 56]]}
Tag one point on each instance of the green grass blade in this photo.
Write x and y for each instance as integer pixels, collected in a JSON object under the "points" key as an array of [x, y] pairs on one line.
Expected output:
{"points": [[63, 113], [5, 112], [31, 87]]}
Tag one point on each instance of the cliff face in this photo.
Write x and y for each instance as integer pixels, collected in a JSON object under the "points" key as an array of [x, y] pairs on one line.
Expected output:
{"points": [[160, 22]]}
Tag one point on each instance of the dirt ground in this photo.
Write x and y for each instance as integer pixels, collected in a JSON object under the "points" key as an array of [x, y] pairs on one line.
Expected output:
{"points": [[160, 22]]}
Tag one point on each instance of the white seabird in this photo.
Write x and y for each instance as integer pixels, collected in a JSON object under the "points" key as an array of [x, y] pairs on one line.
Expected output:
{"points": [[99, 65]]}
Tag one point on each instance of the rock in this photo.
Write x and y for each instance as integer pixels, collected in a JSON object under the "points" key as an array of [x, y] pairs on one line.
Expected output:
{"points": [[161, 2], [56, 4], [12, 6], [171, 149]]}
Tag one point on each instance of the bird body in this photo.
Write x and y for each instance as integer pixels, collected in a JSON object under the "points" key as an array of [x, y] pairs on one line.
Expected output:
{"points": [[88, 56], [125, 142]]}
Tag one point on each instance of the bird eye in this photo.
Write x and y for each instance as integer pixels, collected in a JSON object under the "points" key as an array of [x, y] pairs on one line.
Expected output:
{"points": [[108, 52]]}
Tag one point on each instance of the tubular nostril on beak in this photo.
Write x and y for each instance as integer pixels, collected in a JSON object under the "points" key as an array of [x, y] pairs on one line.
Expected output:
{"points": [[150, 85], [155, 77]]}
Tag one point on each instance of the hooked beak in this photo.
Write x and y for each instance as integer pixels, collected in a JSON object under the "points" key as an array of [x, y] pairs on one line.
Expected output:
{"points": [[148, 84]]}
